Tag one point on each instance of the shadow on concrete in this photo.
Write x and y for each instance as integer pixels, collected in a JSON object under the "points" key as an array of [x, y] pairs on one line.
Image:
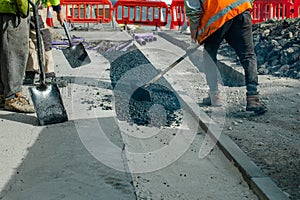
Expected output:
{"points": [[58, 166], [230, 77], [82, 80], [21, 118]]}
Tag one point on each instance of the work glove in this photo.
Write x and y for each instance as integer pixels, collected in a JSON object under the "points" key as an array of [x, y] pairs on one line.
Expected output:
{"points": [[196, 57]]}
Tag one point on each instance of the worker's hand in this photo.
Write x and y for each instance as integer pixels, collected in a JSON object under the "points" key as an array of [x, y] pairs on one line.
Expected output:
{"points": [[194, 55], [193, 46], [60, 18]]}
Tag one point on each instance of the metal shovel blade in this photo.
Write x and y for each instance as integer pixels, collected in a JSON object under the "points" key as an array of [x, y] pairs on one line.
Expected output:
{"points": [[141, 94], [48, 104], [76, 55]]}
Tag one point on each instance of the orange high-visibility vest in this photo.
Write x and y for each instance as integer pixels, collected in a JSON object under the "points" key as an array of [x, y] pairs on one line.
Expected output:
{"points": [[217, 12]]}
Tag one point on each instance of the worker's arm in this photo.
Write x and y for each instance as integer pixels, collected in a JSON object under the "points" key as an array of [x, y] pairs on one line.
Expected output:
{"points": [[193, 12], [56, 7]]}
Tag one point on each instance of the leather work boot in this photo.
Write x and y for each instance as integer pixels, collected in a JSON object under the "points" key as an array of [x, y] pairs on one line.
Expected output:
{"points": [[19, 104], [253, 104], [214, 99], [29, 77], [2, 101]]}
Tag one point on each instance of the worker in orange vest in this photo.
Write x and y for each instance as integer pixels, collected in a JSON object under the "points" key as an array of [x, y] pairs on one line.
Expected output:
{"points": [[32, 68], [211, 21]]}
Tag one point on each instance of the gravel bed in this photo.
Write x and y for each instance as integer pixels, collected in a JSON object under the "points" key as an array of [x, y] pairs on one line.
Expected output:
{"points": [[277, 46]]}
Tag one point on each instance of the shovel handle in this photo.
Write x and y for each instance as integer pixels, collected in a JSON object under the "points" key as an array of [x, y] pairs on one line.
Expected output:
{"points": [[39, 42], [158, 76], [67, 33]]}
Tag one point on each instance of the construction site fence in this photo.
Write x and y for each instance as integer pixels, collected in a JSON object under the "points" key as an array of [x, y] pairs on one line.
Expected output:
{"points": [[264, 10], [91, 11], [158, 13], [141, 12]]}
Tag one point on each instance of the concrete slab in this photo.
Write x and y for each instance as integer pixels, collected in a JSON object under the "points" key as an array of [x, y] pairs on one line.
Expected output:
{"points": [[93, 156]]}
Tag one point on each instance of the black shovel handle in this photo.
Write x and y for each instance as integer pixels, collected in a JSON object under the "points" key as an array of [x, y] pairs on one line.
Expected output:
{"points": [[158, 76], [39, 43], [67, 33]]}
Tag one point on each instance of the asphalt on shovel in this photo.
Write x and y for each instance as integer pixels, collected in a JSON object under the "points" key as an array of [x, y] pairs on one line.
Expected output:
{"points": [[142, 94], [46, 98], [76, 55]]}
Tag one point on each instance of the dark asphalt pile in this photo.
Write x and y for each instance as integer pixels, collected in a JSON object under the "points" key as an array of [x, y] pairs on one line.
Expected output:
{"points": [[277, 45], [129, 70]]}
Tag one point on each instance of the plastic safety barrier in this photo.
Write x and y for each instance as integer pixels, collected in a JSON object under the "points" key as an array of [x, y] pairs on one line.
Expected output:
{"points": [[177, 12], [296, 8], [91, 11], [141, 12], [264, 10]]}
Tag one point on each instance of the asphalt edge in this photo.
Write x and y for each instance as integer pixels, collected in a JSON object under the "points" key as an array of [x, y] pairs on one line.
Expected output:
{"points": [[262, 185]]}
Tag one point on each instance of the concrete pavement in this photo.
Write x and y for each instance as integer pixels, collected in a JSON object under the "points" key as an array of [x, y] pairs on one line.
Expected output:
{"points": [[93, 156]]}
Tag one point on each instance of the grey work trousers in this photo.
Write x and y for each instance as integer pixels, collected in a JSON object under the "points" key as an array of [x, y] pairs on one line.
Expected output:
{"points": [[238, 33], [14, 48]]}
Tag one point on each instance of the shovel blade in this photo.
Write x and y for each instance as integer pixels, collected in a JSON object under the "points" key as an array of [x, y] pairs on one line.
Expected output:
{"points": [[76, 55], [48, 104], [141, 94]]}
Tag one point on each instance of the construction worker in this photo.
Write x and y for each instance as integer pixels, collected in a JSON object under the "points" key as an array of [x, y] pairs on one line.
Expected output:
{"points": [[13, 55], [32, 67], [211, 21]]}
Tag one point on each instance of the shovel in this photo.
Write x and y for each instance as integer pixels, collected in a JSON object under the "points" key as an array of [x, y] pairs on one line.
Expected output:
{"points": [[46, 99], [142, 94], [76, 55]]}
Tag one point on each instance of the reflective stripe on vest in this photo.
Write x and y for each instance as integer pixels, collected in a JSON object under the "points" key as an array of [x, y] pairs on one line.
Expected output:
{"points": [[216, 13]]}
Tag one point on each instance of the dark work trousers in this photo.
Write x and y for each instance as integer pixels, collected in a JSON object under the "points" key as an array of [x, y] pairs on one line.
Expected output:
{"points": [[14, 48], [238, 33]]}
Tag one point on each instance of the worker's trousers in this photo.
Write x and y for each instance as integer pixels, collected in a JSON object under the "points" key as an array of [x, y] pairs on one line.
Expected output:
{"points": [[238, 33], [33, 64], [13, 53]]}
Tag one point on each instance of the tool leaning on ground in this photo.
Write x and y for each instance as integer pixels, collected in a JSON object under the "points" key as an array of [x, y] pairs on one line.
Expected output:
{"points": [[142, 94], [76, 55], [46, 99]]}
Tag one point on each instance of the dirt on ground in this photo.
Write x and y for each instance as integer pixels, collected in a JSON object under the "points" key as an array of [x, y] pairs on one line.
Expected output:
{"points": [[272, 140]]}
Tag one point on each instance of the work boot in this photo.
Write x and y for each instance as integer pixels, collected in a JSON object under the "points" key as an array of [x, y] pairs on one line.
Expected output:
{"points": [[2, 101], [19, 104], [29, 77], [253, 104], [214, 99]]}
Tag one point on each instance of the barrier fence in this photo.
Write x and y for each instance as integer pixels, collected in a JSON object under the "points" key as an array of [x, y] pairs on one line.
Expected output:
{"points": [[141, 12], [91, 11], [156, 12], [264, 10], [177, 13]]}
